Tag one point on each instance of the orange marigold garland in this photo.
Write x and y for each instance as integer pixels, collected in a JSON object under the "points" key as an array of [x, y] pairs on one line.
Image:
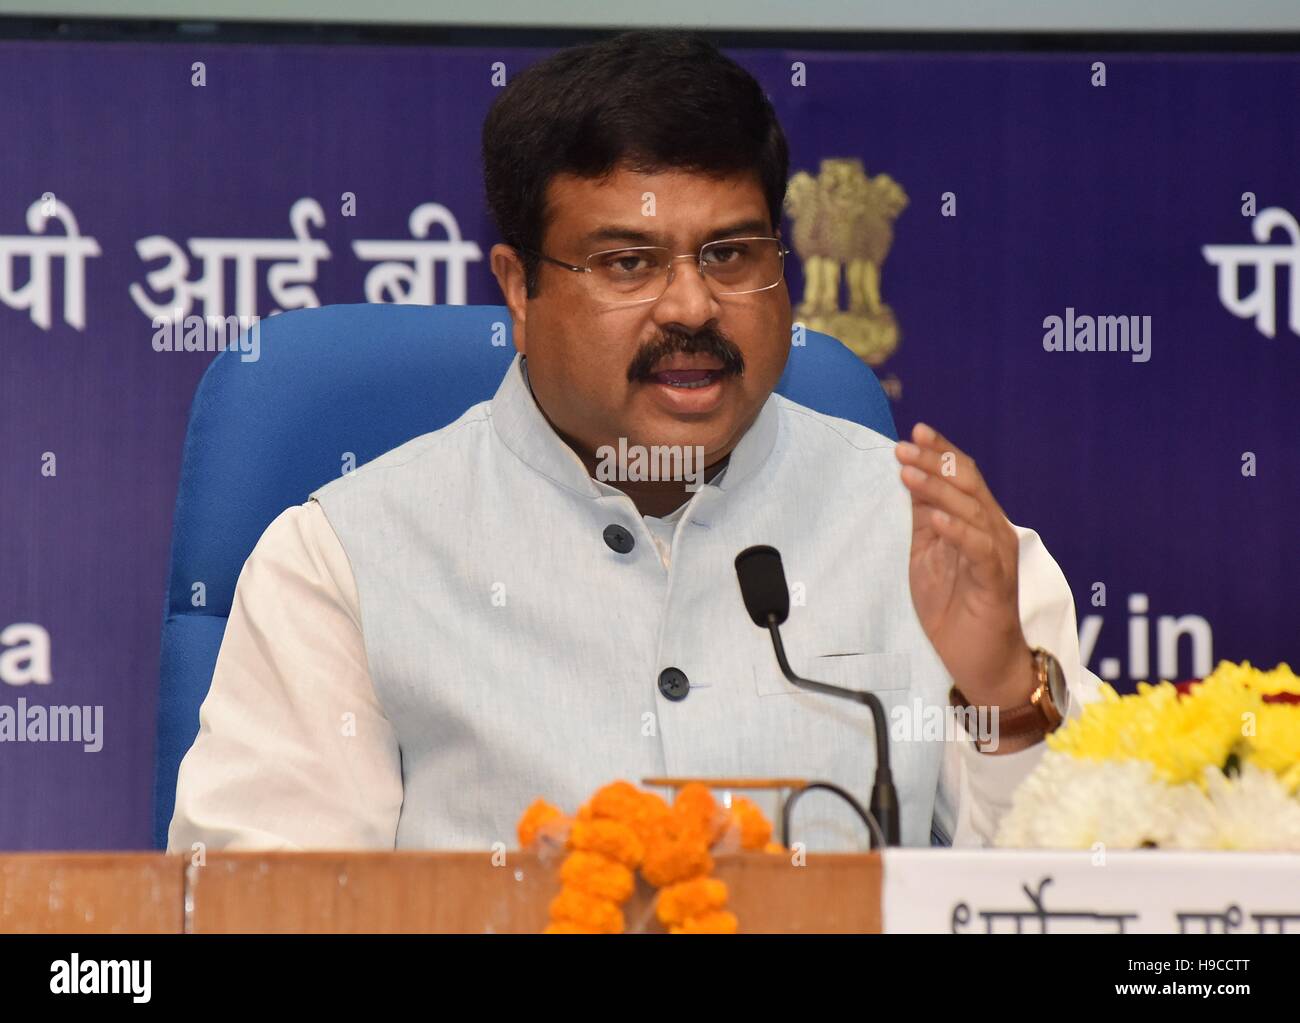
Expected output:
{"points": [[536, 818], [621, 829], [598, 875], [679, 902], [755, 829], [716, 922], [589, 912]]}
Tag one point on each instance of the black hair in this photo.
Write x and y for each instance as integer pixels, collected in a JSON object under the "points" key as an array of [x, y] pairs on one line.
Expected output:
{"points": [[647, 100]]}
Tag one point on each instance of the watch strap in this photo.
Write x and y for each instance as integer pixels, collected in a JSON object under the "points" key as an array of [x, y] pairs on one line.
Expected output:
{"points": [[1037, 717]]}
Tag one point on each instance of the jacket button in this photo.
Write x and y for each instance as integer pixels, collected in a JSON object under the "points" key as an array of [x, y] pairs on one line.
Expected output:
{"points": [[674, 684], [618, 539]]}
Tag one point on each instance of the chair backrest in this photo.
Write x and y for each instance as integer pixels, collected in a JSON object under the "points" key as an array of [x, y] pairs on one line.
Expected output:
{"points": [[348, 382]]}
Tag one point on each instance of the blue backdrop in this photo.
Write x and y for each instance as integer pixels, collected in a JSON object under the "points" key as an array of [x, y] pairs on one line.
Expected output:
{"points": [[1166, 488]]}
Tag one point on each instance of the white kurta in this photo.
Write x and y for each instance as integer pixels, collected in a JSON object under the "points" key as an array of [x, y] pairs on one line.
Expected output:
{"points": [[441, 636]]}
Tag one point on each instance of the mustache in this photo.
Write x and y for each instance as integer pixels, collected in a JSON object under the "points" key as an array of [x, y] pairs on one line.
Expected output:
{"points": [[672, 341]]}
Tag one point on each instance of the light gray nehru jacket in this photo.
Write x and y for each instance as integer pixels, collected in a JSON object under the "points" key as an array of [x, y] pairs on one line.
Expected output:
{"points": [[518, 654]]}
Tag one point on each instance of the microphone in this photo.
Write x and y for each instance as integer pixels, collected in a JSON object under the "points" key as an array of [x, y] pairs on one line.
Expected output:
{"points": [[767, 599]]}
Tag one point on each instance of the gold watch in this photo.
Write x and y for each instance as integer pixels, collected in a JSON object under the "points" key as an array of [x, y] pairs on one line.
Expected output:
{"points": [[1048, 704]]}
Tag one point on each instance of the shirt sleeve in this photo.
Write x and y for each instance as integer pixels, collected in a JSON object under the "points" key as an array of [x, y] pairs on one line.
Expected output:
{"points": [[294, 750], [975, 789]]}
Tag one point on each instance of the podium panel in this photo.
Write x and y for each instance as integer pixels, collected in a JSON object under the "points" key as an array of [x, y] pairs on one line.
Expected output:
{"points": [[92, 893], [395, 892], [469, 892]]}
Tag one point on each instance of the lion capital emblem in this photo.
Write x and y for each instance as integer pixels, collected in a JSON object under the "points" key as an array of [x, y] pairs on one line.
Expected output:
{"points": [[843, 229]]}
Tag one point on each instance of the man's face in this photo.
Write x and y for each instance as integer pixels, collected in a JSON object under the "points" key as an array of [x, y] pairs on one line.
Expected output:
{"points": [[581, 350]]}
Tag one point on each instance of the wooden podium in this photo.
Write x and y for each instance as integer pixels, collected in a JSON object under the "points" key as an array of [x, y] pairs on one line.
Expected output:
{"points": [[394, 892]]}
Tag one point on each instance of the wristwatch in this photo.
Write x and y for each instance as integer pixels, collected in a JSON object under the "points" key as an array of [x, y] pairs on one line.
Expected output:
{"points": [[1048, 704]]}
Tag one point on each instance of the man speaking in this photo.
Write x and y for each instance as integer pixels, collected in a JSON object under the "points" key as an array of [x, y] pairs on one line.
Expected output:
{"points": [[482, 615]]}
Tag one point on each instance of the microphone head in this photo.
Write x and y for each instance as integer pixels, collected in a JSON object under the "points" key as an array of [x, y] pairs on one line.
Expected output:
{"points": [[762, 584]]}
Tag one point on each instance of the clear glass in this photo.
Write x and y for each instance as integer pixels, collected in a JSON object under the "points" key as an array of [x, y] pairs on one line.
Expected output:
{"points": [[642, 273]]}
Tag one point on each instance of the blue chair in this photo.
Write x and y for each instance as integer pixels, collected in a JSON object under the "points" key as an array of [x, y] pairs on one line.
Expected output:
{"points": [[349, 378]]}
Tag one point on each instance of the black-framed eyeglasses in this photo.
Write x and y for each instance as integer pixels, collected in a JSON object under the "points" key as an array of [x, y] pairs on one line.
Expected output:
{"points": [[642, 273]]}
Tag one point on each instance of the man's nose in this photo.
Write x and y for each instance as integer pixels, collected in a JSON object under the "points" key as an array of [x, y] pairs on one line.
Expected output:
{"points": [[688, 300]]}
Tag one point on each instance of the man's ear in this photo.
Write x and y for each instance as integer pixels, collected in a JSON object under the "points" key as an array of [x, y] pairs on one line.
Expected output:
{"points": [[509, 271]]}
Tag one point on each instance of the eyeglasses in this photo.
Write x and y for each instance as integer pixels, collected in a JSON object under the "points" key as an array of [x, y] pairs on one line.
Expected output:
{"points": [[642, 273]]}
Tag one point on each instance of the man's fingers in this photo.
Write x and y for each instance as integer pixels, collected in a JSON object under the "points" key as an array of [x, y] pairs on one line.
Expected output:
{"points": [[944, 464], [954, 463], [927, 438], [942, 493], [975, 543], [951, 498]]}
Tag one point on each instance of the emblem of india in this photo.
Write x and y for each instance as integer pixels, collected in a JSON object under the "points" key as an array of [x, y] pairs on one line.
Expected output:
{"points": [[843, 229]]}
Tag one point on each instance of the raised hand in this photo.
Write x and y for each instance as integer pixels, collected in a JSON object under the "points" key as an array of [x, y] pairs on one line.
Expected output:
{"points": [[963, 572]]}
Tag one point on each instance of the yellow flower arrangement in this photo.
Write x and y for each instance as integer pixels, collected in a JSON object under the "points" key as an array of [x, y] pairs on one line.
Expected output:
{"points": [[622, 829], [1237, 714], [1213, 764]]}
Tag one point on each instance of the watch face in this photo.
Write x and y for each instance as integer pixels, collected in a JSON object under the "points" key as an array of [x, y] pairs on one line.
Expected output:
{"points": [[1057, 686]]}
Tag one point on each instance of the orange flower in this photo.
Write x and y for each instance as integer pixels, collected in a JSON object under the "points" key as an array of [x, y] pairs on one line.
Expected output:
{"points": [[621, 828], [598, 875], [718, 922], [696, 808], [691, 898], [598, 915], [670, 859], [534, 819], [611, 838], [618, 801], [652, 816], [643, 812], [565, 927], [755, 829]]}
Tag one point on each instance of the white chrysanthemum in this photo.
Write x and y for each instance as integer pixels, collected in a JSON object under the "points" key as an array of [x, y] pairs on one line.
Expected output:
{"points": [[1251, 811], [1069, 802]]}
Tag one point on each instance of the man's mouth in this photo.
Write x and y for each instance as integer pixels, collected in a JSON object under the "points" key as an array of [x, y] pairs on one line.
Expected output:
{"points": [[687, 371], [686, 378]]}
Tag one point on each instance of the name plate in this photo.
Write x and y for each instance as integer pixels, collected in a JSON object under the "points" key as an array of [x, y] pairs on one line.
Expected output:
{"points": [[1001, 891]]}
